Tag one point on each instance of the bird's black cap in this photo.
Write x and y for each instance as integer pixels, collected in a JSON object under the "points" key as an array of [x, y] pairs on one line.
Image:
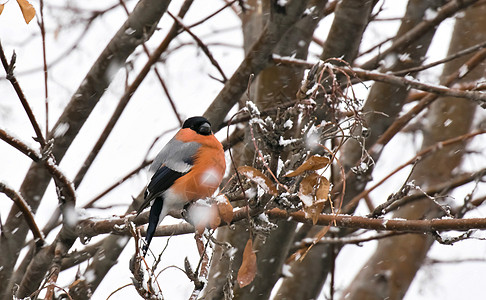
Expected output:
{"points": [[200, 125]]}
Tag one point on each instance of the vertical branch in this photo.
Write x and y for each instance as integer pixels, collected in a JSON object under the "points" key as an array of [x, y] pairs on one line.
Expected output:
{"points": [[395, 262], [43, 35], [256, 59]]}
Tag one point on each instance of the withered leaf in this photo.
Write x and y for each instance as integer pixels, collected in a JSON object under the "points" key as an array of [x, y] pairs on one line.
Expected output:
{"points": [[214, 219], [313, 192], [28, 11], [323, 187], [313, 163], [1, 8], [259, 178], [225, 209], [308, 186], [248, 268], [314, 211]]}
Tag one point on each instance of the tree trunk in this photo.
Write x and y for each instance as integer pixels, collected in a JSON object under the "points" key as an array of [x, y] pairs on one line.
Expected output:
{"points": [[391, 269]]}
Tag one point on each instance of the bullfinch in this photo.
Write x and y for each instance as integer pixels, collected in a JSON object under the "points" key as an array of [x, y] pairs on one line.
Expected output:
{"points": [[190, 167]]}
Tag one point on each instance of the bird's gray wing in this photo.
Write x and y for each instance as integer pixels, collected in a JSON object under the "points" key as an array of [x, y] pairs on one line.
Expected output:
{"points": [[177, 155]]}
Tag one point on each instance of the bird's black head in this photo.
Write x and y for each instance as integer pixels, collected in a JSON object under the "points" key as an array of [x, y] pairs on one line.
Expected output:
{"points": [[199, 124]]}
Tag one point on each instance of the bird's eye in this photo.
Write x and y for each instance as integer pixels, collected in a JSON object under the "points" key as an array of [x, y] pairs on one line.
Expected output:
{"points": [[204, 129]]}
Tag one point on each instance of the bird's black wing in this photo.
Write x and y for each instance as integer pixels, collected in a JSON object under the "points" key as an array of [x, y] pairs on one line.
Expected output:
{"points": [[163, 178], [160, 182]]}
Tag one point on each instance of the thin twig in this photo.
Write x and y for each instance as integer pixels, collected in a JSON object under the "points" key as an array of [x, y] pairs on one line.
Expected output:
{"points": [[238, 177], [444, 12], [444, 187], [402, 191], [376, 46], [364, 75], [65, 186], [213, 14], [19, 145], [118, 289], [201, 44], [425, 152], [441, 61], [11, 77], [404, 119], [68, 51], [135, 171], [44, 60]]}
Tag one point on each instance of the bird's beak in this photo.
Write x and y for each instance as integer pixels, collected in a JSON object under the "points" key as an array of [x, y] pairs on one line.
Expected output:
{"points": [[205, 128]]}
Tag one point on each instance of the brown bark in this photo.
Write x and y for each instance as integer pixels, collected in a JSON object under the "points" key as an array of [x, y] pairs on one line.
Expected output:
{"points": [[382, 98], [143, 21], [350, 20], [222, 265], [257, 58], [389, 272], [273, 85]]}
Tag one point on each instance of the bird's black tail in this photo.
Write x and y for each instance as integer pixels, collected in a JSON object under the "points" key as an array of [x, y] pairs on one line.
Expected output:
{"points": [[153, 222]]}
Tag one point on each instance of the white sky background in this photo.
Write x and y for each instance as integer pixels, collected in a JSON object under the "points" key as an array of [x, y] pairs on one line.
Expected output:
{"points": [[149, 114]]}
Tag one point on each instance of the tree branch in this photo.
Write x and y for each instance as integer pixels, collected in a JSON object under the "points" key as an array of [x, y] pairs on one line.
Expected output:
{"points": [[139, 26], [89, 228], [364, 75], [441, 61], [256, 59], [441, 90], [444, 12], [201, 44], [24, 208], [422, 154], [122, 104], [11, 77]]}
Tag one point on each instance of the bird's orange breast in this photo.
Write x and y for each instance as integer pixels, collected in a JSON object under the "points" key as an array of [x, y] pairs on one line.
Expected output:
{"points": [[206, 174]]}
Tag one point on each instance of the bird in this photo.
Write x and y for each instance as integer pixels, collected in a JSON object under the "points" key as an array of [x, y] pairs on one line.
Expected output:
{"points": [[189, 167]]}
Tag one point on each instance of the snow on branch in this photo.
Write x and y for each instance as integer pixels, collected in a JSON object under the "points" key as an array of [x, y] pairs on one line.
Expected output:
{"points": [[406, 81], [116, 225]]}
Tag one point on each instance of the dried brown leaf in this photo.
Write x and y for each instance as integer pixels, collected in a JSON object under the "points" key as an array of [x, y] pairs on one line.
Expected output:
{"points": [[313, 192], [314, 211], [248, 268], [214, 220], [1, 8], [259, 178], [225, 209], [308, 186], [322, 192], [28, 11], [312, 164]]}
